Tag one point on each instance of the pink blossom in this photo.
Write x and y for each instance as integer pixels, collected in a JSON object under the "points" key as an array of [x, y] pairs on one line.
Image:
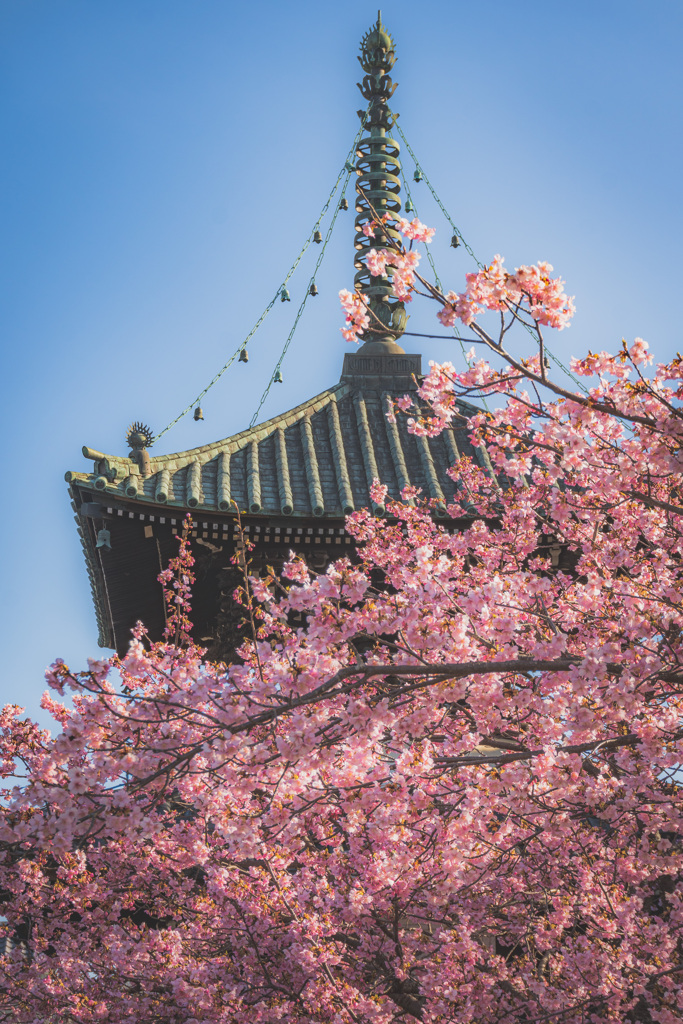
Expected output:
{"points": [[415, 230], [639, 352], [378, 492], [440, 778], [377, 260], [354, 305]]}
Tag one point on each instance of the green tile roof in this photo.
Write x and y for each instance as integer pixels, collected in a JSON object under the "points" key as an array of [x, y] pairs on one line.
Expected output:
{"points": [[318, 459]]}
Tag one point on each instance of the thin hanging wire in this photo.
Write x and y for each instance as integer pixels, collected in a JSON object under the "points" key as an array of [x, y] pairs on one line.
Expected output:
{"points": [[344, 172], [437, 280], [443, 209], [430, 258], [456, 230], [301, 308]]}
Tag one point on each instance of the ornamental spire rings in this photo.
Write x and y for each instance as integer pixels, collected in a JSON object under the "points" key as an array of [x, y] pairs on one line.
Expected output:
{"points": [[378, 184]]}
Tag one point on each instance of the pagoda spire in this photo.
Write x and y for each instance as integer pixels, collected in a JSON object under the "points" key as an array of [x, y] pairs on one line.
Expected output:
{"points": [[378, 185]]}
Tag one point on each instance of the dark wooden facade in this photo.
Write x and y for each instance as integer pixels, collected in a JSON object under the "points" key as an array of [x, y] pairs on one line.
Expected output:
{"points": [[296, 477], [293, 478]]}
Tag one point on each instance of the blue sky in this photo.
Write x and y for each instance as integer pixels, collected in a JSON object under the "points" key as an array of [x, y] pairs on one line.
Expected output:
{"points": [[164, 160]]}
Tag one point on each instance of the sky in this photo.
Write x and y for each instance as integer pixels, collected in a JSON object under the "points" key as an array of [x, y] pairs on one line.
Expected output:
{"points": [[163, 162]]}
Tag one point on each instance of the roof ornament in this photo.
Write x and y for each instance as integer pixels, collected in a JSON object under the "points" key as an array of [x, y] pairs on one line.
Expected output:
{"points": [[378, 185], [140, 437]]}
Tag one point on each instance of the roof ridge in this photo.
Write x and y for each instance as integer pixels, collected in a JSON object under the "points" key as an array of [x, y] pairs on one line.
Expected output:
{"points": [[235, 441]]}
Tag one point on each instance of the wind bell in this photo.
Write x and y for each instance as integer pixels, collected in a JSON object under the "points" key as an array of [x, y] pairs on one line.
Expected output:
{"points": [[455, 241], [244, 356], [344, 205], [313, 290], [317, 237], [284, 295], [277, 379], [103, 540], [198, 414], [418, 174], [409, 206]]}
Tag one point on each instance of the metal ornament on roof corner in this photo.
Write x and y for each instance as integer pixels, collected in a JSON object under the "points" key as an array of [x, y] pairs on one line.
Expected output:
{"points": [[378, 185], [139, 435]]}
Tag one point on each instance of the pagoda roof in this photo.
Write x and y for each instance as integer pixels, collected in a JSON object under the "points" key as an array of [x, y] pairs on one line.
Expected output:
{"points": [[312, 464], [300, 473], [316, 460]]}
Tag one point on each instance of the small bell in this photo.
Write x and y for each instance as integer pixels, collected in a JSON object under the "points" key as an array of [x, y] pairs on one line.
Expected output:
{"points": [[313, 290], [418, 174], [277, 379], [344, 205], [103, 540], [348, 166], [409, 206], [284, 295], [198, 414], [455, 242], [317, 237], [244, 356]]}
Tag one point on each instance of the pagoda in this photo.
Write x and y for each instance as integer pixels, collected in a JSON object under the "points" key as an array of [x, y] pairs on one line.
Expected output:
{"points": [[294, 478]]}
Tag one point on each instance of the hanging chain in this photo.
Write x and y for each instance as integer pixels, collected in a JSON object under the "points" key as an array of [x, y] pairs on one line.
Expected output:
{"points": [[456, 230], [430, 258], [437, 279], [301, 308], [343, 172], [443, 209]]}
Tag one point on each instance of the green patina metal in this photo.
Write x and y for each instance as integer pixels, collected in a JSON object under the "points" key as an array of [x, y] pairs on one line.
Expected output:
{"points": [[378, 186], [295, 477]]}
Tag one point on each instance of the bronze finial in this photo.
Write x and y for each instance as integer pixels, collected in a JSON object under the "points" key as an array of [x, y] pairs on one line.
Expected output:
{"points": [[140, 437], [378, 185]]}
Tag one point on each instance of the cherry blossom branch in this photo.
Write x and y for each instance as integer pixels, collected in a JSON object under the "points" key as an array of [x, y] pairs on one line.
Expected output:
{"points": [[571, 396], [593, 746]]}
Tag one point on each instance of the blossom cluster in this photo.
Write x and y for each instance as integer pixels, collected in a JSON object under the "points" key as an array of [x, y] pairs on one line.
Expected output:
{"points": [[527, 290], [355, 306], [400, 263], [621, 365], [403, 267], [177, 579], [441, 781], [543, 297]]}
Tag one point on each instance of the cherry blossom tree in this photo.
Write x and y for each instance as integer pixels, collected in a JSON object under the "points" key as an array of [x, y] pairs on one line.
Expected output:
{"points": [[454, 794]]}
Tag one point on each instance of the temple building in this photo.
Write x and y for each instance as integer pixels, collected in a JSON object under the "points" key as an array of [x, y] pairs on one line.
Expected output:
{"points": [[293, 478]]}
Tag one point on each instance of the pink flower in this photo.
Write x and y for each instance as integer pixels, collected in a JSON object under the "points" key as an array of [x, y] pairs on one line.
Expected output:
{"points": [[354, 305], [378, 492], [415, 230], [639, 352], [377, 260]]}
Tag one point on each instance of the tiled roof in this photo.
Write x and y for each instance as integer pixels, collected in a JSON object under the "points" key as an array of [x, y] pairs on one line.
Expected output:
{"points": [[317, 460]]}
